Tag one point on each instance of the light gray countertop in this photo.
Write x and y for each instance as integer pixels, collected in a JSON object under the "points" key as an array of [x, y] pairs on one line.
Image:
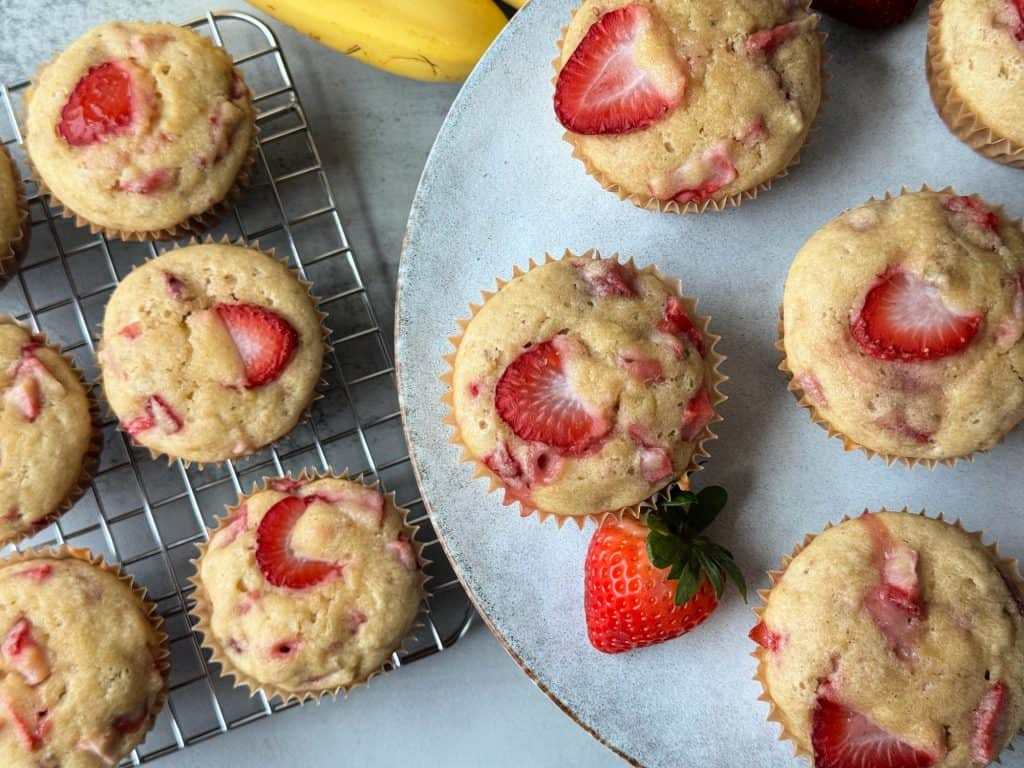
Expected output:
{"points": [[469, 706]]}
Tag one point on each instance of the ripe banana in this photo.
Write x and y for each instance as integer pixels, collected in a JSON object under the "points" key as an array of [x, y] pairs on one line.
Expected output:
{"points": [[423, 39]]}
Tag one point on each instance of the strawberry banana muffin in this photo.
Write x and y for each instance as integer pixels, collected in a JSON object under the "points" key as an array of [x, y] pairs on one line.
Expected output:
{"points": [[68, 699], [976, 73], [308, 586], [140, 129], [46, 432], [14, 227], [210, 352], [681, 104], [584, 386], [903, 326], [894, 640]]}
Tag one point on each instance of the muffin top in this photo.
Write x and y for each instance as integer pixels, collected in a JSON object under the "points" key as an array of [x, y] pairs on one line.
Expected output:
{"points": [[722, 92], [981, 43], [310, 585], [45, 431], [10, 212], [210, 352], [67, 699], [900, 632], [903, 324], [583, 385], [137, 127]]}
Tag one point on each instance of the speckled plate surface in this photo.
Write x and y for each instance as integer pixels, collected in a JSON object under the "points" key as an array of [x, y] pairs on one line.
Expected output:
{"points": [[499, 188]]}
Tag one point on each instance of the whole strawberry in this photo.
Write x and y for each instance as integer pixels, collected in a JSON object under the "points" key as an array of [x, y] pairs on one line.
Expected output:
{"points": [[867, 14], [647, 581]]}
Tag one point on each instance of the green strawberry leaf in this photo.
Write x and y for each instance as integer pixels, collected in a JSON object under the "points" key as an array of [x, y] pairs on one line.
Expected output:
{"points": [[689, 583], [677, 497], [734, 573], [711, 570], [710, 502], [662, 549]]}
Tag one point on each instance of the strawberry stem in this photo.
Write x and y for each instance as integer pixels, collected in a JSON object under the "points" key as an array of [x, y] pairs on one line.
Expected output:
{"points": [[676, 542]]}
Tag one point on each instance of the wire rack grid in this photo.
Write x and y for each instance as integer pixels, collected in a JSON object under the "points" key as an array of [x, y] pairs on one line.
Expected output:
{"points": [[149, 516]]}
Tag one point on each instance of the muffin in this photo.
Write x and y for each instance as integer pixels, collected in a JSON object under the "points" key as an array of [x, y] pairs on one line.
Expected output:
{"points": [[975, 65], [583, 386], [894, 639], [683, 104], [48, 439], [67, 698], [308, 586], [902, 326], [210, 352], [141, 130], [14, 223]]}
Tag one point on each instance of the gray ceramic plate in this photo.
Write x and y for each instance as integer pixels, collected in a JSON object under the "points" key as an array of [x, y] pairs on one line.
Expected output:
{"points": [[499, 188]]}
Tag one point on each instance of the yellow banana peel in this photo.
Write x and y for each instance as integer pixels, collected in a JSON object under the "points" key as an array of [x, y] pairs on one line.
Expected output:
{"points": [[439, 40]]}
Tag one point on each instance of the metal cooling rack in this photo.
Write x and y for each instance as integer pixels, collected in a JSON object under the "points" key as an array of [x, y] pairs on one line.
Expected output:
{"points": [[148, 515]]}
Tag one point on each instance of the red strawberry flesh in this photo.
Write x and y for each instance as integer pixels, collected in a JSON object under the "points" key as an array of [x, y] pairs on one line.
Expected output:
{"points": [[158, 180], [100, 107], [894, 603], [698, 414], [766, 41], [975, 210], [906, 318], [990, 723], [627, 601], [602, 90], [22, 652], [844, 738], [278, 564], [606, 279], [535, 398], [676, 321], [697, 179], [638, 366], [768, 639], [265, 340]]}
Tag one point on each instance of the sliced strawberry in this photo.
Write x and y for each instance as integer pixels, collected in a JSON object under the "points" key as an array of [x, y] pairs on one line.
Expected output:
{"points": [[699, 178], [402, 550], [698, 414], [755, 132], [24, 655], [844, 738], [1015, 18], [607, 279], [24, 395], [156, 413], [767, 41], [975, 210], [811, 386], [265, 340], [767, 638], [655, 461], [159, 180], [176, 287], [905, 318], [273, 549], [990, 723], [30, 728], [894, 604], [363, 505], [239, 523], [37, 573], [646, 370], [675, 321], [896, 422], [1011, 330], [604, 89], [131, 331], [284, 485], [534, 397], [506, 466], [105, 103]]}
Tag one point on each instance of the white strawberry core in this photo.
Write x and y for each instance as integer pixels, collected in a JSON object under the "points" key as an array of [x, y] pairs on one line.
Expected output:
{"points": [[916, 309]]}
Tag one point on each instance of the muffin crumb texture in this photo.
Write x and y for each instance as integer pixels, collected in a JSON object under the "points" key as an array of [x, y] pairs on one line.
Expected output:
{"points": [[895, 634], [310, 585]]}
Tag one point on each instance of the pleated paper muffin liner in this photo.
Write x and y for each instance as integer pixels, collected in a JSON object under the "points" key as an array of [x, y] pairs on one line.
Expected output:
{"points": [[202, 609], [967, 126], [195, 224], [316, 393], [91, 457], [162, 657], [849, 444], [13, 252], [649, 202], [1008, 567], [714, 378]]}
